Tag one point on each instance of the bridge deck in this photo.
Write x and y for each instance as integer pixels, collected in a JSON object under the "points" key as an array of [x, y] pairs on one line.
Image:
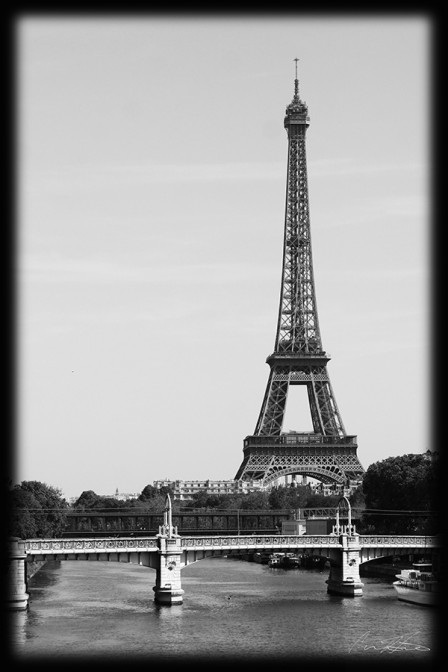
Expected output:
{"points": [[34, 547]]}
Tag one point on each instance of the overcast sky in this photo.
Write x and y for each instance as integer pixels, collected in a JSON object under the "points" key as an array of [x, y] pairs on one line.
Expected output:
{"points": [[151, 180]]}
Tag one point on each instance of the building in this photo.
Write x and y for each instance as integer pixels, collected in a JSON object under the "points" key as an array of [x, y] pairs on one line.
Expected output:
{"points": [[122, 496], [184, 490]]}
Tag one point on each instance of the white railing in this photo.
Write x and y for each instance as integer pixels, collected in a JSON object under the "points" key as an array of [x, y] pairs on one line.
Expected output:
{"points": [[380, 540], [128, 544], [68, 546], [250, 542], [344, 529]]}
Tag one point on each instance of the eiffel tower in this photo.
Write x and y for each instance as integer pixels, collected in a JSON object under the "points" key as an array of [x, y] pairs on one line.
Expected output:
{"points": [[328, 453]]}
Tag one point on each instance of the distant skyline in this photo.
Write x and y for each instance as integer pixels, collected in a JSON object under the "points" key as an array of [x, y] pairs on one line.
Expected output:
{"points": [[151, 176]]}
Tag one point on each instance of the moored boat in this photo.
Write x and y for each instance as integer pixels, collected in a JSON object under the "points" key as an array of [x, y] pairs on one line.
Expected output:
{"points": [[291, 561], [275, 559], [418, 585]]}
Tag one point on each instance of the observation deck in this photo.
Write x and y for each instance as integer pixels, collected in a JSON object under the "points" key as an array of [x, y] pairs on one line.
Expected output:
{"points": [[291, 358], [312, 443]]}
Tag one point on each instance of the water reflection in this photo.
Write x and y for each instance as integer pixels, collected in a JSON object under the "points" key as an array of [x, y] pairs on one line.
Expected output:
{"points": [[18, 627], [166, 613]]}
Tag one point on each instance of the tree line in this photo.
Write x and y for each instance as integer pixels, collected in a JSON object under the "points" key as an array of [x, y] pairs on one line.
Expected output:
{"points": [[396, 496]]}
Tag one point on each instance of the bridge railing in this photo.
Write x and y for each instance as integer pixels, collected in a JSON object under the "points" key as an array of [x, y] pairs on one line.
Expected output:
{"points": [[344, 529], [99, 545], [400, 540], [44, 547], [132, 544]]}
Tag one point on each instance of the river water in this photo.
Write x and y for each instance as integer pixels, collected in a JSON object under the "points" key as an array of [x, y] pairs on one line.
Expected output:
{"points": [[232, 611]]}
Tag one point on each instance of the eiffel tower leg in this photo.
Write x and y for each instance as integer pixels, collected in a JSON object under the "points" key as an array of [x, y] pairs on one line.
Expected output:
{"points": [[324, 411], [270, 420]]}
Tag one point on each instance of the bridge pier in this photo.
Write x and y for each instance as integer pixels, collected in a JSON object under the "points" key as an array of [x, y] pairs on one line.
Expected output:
{"points": [[168, 588], [17, 597], [344, 579]]}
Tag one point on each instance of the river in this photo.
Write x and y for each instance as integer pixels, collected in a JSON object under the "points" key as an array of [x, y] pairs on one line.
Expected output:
{"points": [[232, 611]]}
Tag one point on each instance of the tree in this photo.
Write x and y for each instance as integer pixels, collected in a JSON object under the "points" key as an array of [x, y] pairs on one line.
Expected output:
{"points": [[282, 497], [36, 510], [154, 504], [357, 498], [152, 499], [255, 500], [88, 499], [22, 520], [148, 492], [318, 500], [206, 500], [405, 483]]}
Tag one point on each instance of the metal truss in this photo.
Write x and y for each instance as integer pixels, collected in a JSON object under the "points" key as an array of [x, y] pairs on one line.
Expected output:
{"points": [[298, 357], [327, 467], [298, 326], [324, 411]]}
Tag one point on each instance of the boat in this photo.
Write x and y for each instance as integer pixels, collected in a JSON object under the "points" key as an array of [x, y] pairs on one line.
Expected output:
{"points": [[291, 561], [275, 559], [418, 585]]}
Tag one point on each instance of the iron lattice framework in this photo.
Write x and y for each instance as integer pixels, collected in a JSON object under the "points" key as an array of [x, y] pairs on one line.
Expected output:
{"points": [[298, 358]]}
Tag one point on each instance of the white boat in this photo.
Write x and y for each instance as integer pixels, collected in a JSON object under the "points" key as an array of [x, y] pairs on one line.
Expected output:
{"points": [[418, 585], [275, 559]]}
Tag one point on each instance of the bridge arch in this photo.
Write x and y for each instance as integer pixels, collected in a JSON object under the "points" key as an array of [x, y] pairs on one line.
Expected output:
{"points": [[327, 474]]}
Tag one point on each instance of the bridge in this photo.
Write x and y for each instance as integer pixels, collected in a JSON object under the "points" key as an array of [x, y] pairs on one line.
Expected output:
{"points": [[168, 553], [106, 522]]}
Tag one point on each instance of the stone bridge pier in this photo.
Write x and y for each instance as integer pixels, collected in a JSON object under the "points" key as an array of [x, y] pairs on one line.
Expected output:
{"points": [[17, 597], [168, 588], [344, 576]]}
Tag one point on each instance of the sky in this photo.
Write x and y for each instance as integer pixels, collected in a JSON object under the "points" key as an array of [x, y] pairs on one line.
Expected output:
{"points": [[151, 177]]}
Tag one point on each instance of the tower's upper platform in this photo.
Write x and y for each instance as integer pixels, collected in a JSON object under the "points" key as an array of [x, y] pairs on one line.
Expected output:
{"points": [[297, 110]]}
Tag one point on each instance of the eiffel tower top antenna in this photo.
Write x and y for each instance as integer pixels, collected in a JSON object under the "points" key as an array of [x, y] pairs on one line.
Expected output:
{"points": [[296, 81]]}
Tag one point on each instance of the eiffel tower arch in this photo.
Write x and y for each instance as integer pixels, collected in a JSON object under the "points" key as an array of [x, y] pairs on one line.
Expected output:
{"points": [[327, 453]]}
